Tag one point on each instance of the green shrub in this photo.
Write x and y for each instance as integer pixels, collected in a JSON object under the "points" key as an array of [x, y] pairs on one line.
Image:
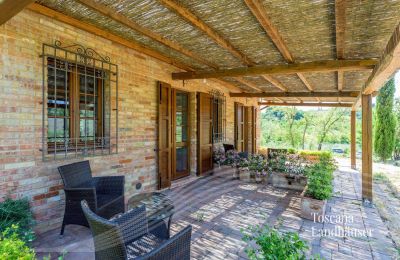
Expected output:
{"points": [[272, 244], [17, 212], [319, 179], [323, 155], [12, 247]]}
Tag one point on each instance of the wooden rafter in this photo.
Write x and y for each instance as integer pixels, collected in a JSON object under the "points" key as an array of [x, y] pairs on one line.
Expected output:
{"points": [[114, 15], [115, 38], [202, 26], [257, 8], [304, 104], [305, 82], [248, 83], [10, 8], [388, 64], [313, 66], [346, 94], [275, 82], [340, 29], [259, 11]]}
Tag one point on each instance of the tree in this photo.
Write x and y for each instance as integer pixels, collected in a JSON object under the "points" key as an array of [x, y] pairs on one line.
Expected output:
{"points": [[396, 153], [385, 122], [327, 123], [308, 121], [291, 116]]}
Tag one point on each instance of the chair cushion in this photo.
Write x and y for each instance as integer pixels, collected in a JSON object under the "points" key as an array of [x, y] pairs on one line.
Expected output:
{"points": [[104, 200], [143, 245]]}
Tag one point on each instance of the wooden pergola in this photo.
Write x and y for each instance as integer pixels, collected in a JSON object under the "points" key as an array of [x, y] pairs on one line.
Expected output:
{"points": [[310, 54]]}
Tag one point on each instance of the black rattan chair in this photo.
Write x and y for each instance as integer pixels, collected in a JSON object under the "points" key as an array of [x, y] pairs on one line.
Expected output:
{"points": [[128, 237], [105, 195]]}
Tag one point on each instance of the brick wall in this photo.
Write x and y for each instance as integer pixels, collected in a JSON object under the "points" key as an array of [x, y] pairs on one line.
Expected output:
{"points": [[22, 171]]}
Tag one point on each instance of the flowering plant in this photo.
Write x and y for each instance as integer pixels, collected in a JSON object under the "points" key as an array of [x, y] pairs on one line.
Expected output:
{"points": [[219, 157], [258, 165], [232, 158]]}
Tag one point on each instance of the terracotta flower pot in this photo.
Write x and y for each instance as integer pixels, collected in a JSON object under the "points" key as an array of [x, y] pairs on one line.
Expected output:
{"points": [[312, 209], [285, 181]]}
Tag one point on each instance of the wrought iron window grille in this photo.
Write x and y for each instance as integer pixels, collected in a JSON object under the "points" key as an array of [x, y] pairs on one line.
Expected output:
{"points": [[219, 116], [80, 102]]}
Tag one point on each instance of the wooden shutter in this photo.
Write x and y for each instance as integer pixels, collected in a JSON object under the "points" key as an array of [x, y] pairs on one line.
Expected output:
{"points": [[254, 129], [204, 133], [248, 129], [239, 127], [164, 135]]}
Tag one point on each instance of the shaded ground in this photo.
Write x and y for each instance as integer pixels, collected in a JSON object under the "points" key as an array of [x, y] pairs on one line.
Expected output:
{"points": [[218, 208]]}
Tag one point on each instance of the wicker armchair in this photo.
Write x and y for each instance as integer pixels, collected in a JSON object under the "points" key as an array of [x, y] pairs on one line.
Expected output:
{"points": [[105, 195], [128, 237]]}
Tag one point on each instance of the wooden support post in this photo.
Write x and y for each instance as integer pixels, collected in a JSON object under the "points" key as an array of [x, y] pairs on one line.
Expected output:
{"points": [[366, 103], [353, 146]]}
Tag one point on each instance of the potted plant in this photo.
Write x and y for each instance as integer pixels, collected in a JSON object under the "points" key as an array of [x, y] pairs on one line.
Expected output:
{"points": [[319, 189], [243, 168], [288, 172], [219, 157], [233, 159], [257, 167]]}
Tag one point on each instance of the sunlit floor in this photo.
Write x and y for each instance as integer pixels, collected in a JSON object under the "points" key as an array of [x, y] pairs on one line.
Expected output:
{"points": [[219, 207]]}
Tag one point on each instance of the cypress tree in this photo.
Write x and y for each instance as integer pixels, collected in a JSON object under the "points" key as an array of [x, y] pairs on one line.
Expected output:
{"points": [[385, 122]]}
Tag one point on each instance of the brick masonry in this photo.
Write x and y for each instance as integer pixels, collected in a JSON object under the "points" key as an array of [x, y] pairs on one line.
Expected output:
{"points": [[22, 171]]}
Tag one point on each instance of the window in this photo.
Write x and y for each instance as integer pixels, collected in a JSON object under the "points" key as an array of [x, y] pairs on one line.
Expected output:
{"points": [[78, 104], [219, 119]]}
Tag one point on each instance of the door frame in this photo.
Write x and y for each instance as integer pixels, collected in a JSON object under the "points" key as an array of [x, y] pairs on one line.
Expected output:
{"points": [[188, 142]]}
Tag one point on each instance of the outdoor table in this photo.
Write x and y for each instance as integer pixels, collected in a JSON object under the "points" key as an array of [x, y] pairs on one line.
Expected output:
{"points": [[159, 208]]}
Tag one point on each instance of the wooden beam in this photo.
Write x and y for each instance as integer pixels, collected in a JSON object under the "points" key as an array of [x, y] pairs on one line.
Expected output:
{"points": [[313, 66], [366, 148], [10, 8], [107, 35], [347, 94], [340, 80], [304, 104], [114, 15], [248, 83], [388, 64], [275, 82], [305, 82], [116, 39], [202, 26], [353, 145], [340, 27], [259, 11]]}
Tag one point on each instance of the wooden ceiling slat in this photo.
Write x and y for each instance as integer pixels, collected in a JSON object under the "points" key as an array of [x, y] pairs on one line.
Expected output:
{"points": [[313, 66]]}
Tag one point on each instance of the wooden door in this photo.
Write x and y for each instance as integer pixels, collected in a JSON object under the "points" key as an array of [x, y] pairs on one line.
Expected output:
{"points": [[239, 127], [180, 134], [248, 131], [204, 133], [164, 135]]}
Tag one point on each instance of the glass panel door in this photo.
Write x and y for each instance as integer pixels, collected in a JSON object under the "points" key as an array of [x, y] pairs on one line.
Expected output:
{"points": [[182, 138]]}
